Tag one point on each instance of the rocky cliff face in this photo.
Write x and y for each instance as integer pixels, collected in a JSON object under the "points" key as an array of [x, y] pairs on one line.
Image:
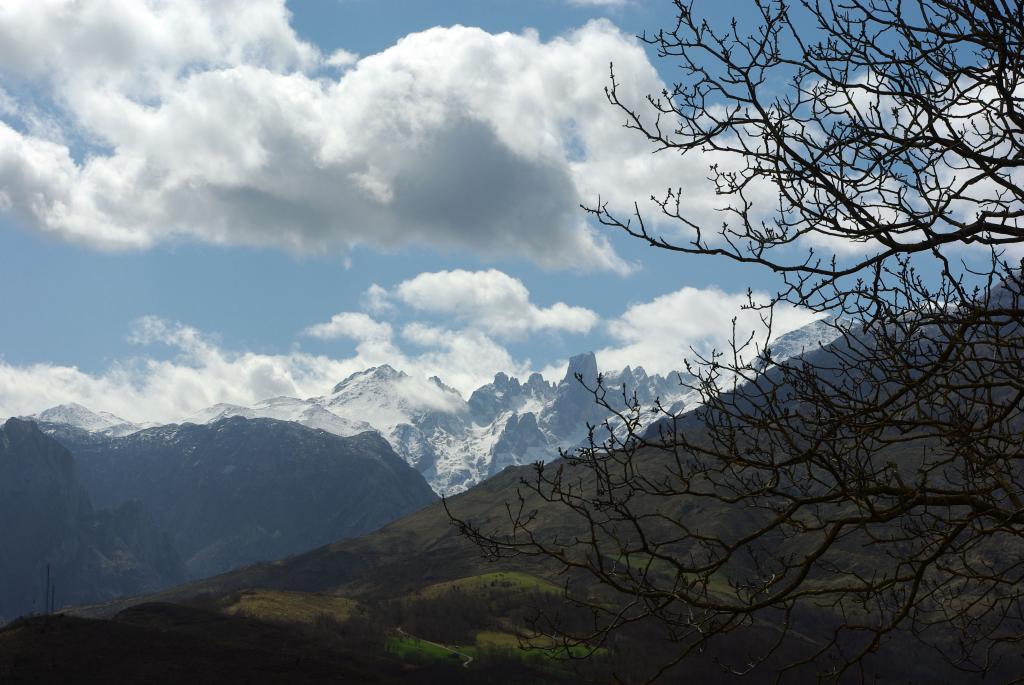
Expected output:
{"points": [[47, 519]]}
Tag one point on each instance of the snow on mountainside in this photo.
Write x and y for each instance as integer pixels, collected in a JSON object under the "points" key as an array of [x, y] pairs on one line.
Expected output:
{"points": [[804, 339], [284, 409], [426, 422], [392, 398], [453, 442]]}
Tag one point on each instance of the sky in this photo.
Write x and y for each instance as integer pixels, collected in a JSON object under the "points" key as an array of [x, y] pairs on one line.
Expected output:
{"points": [[223, 202]]}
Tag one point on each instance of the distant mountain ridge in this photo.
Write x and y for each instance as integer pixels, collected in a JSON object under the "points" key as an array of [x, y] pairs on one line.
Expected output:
{"points": [[453, 442]]}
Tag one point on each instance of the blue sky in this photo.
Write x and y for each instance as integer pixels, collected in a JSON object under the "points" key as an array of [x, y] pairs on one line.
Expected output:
{"points": [[152, 268]]}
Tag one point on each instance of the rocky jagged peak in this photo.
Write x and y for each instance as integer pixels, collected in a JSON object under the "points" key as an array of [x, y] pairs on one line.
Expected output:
{"points": [[489, 400], [505, 384], [526, 421], [584, 365], [384, 371], [536, 380], [521, 441], [539, 388], [626, 378], [573, 406], [436, 380]]}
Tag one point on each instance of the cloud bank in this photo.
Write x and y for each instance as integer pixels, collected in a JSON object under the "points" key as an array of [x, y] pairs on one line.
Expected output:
{"points": [[148, 122]]}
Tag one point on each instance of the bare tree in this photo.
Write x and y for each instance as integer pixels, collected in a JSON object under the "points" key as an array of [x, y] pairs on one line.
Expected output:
{"points": [[869, 490]]}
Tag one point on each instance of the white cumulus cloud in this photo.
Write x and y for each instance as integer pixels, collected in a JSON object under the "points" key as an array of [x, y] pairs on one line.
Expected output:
{"points": [[215, 122], [354, 325], [144, 388], [377, 300], [491, 300]]}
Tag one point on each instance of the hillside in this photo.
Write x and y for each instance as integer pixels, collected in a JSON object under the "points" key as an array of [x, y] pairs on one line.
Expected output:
{"points": [[417, 550], [421, 577], [243, 490]]}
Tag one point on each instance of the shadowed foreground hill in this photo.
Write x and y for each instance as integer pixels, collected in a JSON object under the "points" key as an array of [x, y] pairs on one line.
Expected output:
{"points": [[196, 644], [163, 643]]}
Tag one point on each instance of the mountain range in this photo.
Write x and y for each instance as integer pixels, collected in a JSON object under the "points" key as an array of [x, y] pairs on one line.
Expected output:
{"points": [[452, 441], [418, 577]]}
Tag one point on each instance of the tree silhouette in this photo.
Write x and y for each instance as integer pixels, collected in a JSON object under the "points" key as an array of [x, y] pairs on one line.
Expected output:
{"points": [[870, 154]]}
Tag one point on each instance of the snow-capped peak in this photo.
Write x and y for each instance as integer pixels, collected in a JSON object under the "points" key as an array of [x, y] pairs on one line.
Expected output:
{"points": [[806, 339], [382, 373], [74, 414], [388, 397]]}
